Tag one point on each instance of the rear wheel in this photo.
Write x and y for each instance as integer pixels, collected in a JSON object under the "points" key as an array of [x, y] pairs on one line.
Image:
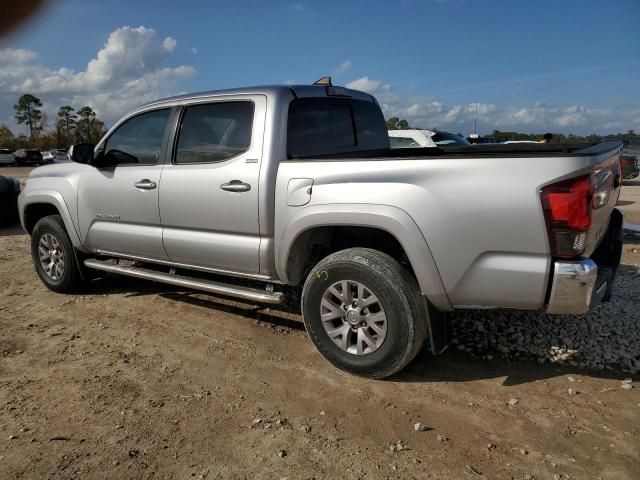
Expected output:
{"points": [[53, 255], [364, 312]]}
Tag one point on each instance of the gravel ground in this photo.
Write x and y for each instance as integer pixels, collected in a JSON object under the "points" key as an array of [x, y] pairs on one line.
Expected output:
{"points": [[606, 338]]}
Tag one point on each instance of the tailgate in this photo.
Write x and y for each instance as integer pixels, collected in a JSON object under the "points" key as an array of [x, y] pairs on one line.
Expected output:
{"points": [[606, 179], [578, 208]]}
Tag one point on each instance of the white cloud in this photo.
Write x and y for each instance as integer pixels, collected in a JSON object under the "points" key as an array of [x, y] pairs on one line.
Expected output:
{"points": [[194, 50], [368, 85], [301, 9], [343, 67], [169, 44], [129, 70], [425, 112], [16, 55]]}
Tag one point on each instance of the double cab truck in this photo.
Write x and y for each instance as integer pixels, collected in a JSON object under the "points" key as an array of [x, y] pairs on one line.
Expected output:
{"points": [[278, 192]]}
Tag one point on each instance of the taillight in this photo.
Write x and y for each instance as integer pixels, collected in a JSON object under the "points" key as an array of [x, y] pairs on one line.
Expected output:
{"points": [[567, 209]]}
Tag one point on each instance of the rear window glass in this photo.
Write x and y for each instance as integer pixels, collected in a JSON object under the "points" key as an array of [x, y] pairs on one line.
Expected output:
{"points": [[326, 126]]}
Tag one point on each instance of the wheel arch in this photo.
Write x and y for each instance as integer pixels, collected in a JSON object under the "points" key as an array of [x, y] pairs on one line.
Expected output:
{"points": [[309, 225], [37, 204]]}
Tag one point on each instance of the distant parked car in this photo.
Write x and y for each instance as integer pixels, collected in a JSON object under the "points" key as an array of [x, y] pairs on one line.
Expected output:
{"points": [[58, 155], [61, 155], [48, 157], [630, 166], [28, 157], [423, 138], [6, 157], [9, 191]]}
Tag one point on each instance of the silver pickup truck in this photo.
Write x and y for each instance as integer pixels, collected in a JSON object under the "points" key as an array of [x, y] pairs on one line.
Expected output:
{"points": [[268, 192]]}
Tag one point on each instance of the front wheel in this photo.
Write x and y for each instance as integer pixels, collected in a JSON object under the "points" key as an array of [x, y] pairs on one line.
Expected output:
{"points": [[364, 312], [53, 256]]}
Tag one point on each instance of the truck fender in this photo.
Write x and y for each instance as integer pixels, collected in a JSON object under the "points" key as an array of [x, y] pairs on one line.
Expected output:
{"points": [[393, 220], [55, 199]]}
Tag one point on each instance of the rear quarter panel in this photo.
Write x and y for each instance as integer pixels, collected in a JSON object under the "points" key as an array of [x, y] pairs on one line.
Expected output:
{"points": [[481, 218]]}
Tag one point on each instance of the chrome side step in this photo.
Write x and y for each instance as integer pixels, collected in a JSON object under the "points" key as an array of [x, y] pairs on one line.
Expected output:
{"points": [[246, 293]]}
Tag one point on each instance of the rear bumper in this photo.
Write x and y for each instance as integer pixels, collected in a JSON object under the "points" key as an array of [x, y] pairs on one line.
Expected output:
{"points": [[572, 287], [580, 285]]}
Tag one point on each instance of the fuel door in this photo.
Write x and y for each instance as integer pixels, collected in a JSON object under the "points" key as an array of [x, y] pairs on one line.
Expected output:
{"points": [[299, 191]]}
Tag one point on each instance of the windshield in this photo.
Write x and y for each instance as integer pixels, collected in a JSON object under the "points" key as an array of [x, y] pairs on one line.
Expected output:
{"points": [[443, 139]]}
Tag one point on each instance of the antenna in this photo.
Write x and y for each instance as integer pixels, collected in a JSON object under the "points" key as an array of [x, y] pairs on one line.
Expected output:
{"points": [[475, 122], [324, 81]]}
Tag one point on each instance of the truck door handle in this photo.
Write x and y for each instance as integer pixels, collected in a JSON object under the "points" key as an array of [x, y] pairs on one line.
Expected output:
{"points": [[146, 184], [236, 186]]}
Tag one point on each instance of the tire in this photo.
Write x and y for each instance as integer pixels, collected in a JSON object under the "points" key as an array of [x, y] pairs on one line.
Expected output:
{"points": [[50, 234], [397, 341]]}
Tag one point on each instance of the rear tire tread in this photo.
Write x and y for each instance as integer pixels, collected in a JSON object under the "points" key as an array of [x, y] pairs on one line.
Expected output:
{"points": [[405, 289]]}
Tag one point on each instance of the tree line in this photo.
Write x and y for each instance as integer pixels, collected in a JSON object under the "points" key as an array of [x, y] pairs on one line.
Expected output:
{"points": [[629, 138], [71, 126]]}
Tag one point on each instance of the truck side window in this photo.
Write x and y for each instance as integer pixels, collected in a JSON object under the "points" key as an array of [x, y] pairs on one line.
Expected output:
{"points": [[214, 132], [327, 126], [138, 141]]}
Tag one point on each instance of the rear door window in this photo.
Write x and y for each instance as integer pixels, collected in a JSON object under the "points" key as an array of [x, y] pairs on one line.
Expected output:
{"points": [[214, 132]]}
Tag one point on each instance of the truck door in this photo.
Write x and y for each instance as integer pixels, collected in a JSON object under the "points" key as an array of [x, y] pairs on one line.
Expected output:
{"points": [[118, 200], [209, 190]]}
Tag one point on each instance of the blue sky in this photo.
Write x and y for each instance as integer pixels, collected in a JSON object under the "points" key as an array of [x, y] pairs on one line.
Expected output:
{"points": [[569, 66]]}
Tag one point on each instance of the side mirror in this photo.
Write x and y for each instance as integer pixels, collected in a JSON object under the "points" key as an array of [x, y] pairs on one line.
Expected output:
{"points": [[82, 153]]}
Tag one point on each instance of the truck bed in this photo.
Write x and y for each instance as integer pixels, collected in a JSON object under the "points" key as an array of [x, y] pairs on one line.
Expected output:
{"points": [[486, 150], [478, 207]]}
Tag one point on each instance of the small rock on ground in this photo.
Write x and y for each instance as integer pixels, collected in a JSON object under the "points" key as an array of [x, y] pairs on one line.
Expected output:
{"points": [[420, 427]]}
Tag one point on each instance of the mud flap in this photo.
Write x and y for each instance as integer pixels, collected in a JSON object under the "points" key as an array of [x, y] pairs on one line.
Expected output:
{"points": [[439, 324], [608, 254]]}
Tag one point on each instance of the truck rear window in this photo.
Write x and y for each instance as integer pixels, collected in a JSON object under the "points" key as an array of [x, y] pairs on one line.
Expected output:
{"points": [[326, 126]]}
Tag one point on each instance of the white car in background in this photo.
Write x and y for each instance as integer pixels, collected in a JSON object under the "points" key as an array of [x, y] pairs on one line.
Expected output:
{"points": [[6, 157], [424, 138], [58, 155]]}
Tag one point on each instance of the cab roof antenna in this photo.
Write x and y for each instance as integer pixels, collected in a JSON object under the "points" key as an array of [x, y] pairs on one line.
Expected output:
{"points": [[326, 81]]}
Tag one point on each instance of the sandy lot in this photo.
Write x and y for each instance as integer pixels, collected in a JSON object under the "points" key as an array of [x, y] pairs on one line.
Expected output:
{"points": [[629, 201], [139, 380]]}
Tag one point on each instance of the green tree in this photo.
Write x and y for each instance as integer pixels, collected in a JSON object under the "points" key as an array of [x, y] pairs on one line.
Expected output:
{"points": [[28, 112], [7, 138], [394, 123], [66, 120], [85, 126]]}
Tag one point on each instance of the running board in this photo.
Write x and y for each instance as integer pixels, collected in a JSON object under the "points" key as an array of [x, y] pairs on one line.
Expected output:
{"points": [[262, 296]]}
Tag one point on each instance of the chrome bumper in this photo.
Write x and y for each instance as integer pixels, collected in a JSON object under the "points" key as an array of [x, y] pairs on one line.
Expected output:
{"points": [[572, 287]]}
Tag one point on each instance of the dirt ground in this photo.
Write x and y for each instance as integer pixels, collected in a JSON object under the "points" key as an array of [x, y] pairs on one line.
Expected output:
{"points": [[138, 380], [629, 201]]}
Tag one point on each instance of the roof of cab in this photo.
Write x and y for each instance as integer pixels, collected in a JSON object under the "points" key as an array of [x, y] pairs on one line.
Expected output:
{"points": [[275, 90]]}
